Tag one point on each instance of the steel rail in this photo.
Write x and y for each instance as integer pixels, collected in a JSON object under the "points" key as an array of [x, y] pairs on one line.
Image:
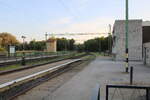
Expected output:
{"points": [[15, 82]]}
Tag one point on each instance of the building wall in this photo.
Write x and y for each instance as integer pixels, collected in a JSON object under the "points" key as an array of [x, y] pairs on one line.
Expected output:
{"points": [[134, 39], [146, 53], [51, 46]]}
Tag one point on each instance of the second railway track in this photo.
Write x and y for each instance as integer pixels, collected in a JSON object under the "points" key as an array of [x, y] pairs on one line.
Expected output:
{"points": [[41, 64]]}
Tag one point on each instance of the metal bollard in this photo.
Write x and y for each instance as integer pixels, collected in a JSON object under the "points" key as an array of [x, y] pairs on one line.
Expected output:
{"points": [[131, 75]]}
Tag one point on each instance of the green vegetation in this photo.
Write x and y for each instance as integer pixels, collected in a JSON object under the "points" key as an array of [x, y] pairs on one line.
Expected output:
{"points": [[102, 44], [89, 57], [32, 45], [7, 39], [2, 49], [63, 44], [10, 67]]}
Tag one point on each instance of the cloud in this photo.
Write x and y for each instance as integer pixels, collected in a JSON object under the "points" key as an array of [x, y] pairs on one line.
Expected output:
{"points": [[67, 25], [61, 21], [54, 25], [95, 25]]}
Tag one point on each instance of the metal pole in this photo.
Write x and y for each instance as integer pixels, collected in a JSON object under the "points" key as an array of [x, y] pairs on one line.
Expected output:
{"points": [[100, 45], [46, 36], [147, 94], [109, 39], [131, 75], [23, 57], [127, 30], [23, 44], [46, 41], [66, 46], [107, 92]]}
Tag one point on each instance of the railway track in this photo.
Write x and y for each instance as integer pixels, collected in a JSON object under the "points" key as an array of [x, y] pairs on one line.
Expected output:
{"points": [[18, 60], [41, 64], [14, 84]]}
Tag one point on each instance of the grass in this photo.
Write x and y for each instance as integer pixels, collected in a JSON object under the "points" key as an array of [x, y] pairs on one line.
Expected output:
{"points": [[99, 54], [10, 67], [89, 57]]}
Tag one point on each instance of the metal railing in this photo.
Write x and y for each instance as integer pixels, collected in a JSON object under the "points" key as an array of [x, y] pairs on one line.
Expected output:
{"points": [[123, 92]]}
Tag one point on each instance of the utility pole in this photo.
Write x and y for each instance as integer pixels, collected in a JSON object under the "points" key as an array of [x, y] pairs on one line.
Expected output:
{"points": [[46, 35], [109, 39], [23, 57], [100, 45], [66, 44], [127, 31], [23, 38]]}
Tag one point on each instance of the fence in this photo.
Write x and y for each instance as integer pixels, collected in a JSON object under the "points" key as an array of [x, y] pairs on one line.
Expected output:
{"points": [[126, 92]]}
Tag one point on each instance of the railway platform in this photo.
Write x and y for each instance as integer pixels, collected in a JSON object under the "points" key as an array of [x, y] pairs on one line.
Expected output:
{"points": [[101, 71]]}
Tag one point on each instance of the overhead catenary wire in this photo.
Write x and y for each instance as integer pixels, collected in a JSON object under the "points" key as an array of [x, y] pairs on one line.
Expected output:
{"points": [[67, 8]]}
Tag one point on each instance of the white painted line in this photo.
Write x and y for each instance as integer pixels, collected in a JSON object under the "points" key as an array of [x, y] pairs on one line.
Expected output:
{"points": [[36, 74]]}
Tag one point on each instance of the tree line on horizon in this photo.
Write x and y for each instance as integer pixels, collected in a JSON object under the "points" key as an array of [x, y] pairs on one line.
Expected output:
{"points": [[100, 44]]}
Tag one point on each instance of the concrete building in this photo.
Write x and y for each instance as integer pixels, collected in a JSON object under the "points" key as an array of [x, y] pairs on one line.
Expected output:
{"points": [[134, 38], [51, 45]]}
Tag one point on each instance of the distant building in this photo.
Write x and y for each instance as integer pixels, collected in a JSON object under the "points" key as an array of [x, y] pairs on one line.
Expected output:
{"points": [[51, 45], [135, 40]]}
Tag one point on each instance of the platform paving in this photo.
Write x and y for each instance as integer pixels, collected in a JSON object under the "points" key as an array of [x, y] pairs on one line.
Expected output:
{"points": [[101, 71]]}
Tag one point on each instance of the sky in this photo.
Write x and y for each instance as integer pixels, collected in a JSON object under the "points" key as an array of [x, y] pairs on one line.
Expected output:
{"points": [[33, 18]]}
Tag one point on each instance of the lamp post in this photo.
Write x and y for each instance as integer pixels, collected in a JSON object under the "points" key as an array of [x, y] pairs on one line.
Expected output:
{"points": [[46, 35], [23, 57], [109, 39], [23, 38], [127, 31]]}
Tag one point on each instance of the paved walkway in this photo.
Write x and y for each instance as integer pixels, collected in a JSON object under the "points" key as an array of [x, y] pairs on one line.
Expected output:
{"points": [[101, 71]]}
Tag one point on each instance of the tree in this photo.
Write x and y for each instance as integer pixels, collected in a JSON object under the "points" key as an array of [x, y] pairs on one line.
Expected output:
{"points": [[101, 44], [80, 47], [7, 39], [65, 44], [32, 45], [71, 44]]}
